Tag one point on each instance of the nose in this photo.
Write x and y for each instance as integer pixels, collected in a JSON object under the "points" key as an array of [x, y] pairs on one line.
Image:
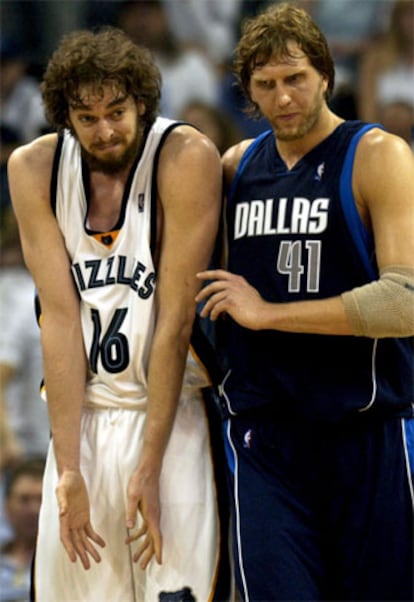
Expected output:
{"points": [[104, 130], [282, 96]]}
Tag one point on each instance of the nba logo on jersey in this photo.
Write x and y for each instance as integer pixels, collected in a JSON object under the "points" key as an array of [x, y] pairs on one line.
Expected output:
{"points": [[141, 202], [247, 439], [320, 171]]}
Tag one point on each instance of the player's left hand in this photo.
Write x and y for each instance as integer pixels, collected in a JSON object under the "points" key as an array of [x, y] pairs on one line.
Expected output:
{"points": [[143, 498], [231, 294]]}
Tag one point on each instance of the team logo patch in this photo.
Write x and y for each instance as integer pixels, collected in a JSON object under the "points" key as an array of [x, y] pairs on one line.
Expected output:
{"points": [[184, 595]]}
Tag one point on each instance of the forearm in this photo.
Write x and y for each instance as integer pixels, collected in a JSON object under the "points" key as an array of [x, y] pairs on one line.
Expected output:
{"points": [[65, 376], [320, 316], [165, 377]]}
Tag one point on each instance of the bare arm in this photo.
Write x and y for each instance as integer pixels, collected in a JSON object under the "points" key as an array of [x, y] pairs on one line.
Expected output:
{"points": [[64, 358], [385, 198], [189, 181]]}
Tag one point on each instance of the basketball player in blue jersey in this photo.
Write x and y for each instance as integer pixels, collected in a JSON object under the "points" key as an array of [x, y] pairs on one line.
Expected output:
{"points": [[317, 305], [118, 210]]}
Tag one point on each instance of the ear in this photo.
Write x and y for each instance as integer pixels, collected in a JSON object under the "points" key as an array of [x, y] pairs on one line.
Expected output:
{"points": [[142, 109]]}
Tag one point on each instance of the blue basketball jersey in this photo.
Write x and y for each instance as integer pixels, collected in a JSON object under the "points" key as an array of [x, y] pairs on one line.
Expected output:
{"points": [[296, 235]]}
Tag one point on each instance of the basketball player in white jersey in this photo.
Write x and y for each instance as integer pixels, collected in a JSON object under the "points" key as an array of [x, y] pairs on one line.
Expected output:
{"points": [[117, 213]]}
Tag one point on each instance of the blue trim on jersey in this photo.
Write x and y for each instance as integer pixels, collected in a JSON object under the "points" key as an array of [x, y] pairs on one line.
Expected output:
{"points": [[362, 238], [245, 157], [409, 437], [227, 447]]}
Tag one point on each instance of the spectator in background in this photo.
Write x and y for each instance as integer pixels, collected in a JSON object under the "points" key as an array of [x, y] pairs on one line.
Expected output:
{"points": [[349, 26], [21, 104], [398, 118], [21, 111], [187, 73], [23, 494], [24, 428], [211, 25], [387, 67], [24, 425], [212, 121]]}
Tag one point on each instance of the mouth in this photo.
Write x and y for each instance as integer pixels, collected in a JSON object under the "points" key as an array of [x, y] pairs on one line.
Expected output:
{"points": [[109, 146], [286, 118]]}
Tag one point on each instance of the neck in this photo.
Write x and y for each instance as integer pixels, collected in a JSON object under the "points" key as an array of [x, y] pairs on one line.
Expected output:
{"points": [[292, 151]]}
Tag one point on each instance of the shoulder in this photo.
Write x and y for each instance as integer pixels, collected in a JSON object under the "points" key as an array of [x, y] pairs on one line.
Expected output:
{"points": [[380, 148], [29, 171], [231, 158], [35, 157], [382, 161], [186, 146]]}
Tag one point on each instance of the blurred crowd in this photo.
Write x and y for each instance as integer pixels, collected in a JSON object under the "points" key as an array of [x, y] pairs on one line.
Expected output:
{"points": [[192, 40]]}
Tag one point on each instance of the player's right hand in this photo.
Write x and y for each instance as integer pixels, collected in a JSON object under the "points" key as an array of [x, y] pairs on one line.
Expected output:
{"points": [[76, 532]]}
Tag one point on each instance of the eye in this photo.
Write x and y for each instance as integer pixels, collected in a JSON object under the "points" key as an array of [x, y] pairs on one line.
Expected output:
{"points": [[118, 113], [265, 84], [295, 78], [86, 119]]}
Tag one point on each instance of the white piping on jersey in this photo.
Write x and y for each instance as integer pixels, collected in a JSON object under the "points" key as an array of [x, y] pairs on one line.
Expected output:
{"points": [[374, 378], [223, 394], [237, 514]]}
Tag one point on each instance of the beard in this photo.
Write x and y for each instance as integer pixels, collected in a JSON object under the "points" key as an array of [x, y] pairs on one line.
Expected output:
{"points": [[114, 164], [290, 133]]}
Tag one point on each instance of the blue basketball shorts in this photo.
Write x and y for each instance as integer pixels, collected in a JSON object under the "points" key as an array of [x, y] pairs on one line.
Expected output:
{"points": [[322, 512]]}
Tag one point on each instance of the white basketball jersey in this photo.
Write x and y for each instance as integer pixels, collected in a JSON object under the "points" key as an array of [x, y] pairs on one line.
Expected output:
{"points": [[116, 282]]}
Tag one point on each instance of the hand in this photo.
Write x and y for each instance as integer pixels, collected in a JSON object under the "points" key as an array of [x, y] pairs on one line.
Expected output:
{"points": [[143, 497], [231, 294], [76, 532]]}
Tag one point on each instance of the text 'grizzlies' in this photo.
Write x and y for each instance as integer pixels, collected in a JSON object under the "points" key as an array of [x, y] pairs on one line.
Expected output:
{"points": [[95, 273], [271, 216]]}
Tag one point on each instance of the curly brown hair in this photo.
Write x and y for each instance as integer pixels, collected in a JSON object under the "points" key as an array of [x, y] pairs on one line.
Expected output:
{"points": [[94, 58], [268, 34]]}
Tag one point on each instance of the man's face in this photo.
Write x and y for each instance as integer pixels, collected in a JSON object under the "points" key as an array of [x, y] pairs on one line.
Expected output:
{"points": [[290, 93], [107, 125], [23, 505]]}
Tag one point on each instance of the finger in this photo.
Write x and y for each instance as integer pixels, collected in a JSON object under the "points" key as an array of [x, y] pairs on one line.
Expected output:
{"points": [[215, 306], [203, 294], [146, 557], [79, 543], [70, 550], [144, 552], [156, 538], [131, 512], [66, 539], [212, 274], [94, 535], [91, 550], [210, 289], [157, 541], [134, 535]]}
